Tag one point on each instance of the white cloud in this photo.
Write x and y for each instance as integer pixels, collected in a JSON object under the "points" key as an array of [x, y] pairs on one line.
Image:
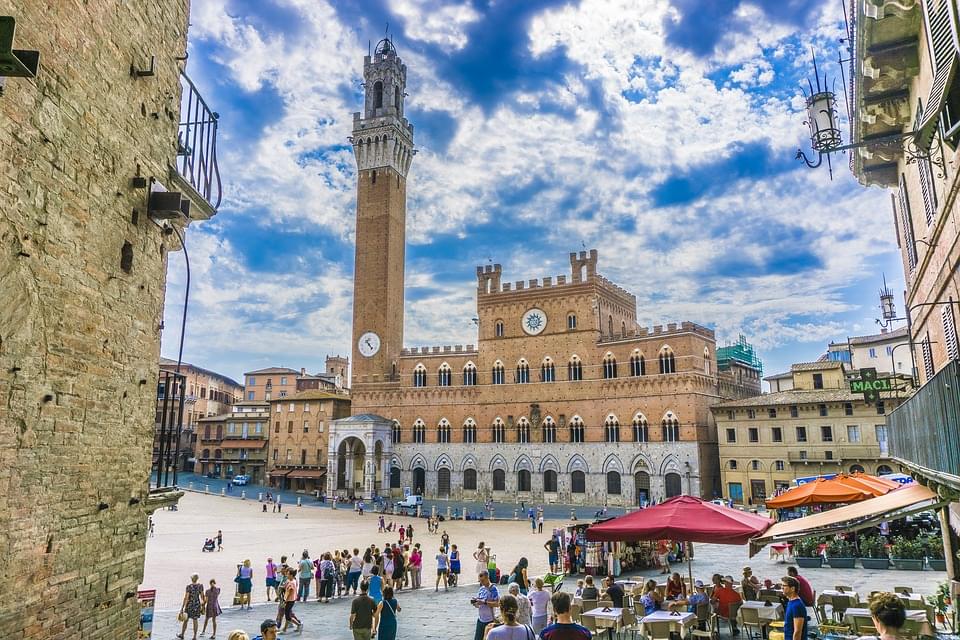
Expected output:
{"points": [[441, 24]]}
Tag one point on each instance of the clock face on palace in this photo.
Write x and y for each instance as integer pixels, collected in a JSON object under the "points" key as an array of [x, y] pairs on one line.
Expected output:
{"points": [[534, 321], [369, 344]]}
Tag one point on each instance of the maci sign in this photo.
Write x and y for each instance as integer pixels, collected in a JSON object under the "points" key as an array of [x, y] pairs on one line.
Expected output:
{"points": [[870, 385]]}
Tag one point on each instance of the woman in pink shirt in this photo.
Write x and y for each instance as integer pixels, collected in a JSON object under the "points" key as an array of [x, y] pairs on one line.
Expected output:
{"points": [[416, 566]]}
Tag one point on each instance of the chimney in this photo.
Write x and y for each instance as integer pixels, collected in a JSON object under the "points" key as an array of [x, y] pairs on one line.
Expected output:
{"points": [[303, 371]]}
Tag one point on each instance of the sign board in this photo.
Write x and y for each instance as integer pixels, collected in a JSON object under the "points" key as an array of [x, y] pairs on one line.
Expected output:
{"points": [[407, 491], [146, 598], [870, 385]]}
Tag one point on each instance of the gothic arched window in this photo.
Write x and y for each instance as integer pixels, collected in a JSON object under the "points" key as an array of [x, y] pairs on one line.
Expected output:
{"points": [[549, 430], [419, 431], [498, 373], [671, 428], [609, 366], [668, 363], [548, 372], [443, 431], [469, 375], [523, 372], [420, 376], [637, 365], [499, 431], [576, 429], [574, 369], [611, 429], [523, 430], [396, 97], [378, 95], [443, 375], [469, 431], [641, 432]]}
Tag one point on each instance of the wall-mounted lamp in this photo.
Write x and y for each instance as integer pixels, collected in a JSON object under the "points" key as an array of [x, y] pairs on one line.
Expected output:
{"points": [[15, 63]]}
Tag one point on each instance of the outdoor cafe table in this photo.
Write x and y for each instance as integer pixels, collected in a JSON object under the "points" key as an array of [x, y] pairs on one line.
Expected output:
{"points": [[610, 614], [918, 615], [914, 600], [684, 619], [766, 613], [826, 596]]}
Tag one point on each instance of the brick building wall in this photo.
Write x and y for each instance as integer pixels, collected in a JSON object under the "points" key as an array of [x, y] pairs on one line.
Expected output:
{"points": [[79, 325]]}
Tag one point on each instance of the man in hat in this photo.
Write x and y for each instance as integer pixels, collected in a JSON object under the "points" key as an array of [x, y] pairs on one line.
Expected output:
{"points": [[694, 600], [723, 597]]}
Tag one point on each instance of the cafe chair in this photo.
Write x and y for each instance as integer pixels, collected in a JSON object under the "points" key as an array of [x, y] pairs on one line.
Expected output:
{"points": [[732, 620], [588, 605], [769, 594], [589, 622], [658, 629], [712, 628], [842, 588], [630, 623], [912, 628], [840, 605], [834, 630], [863, 626], [903, 589], [775, 630], [575, 610], [605, 602], [750, 618]]}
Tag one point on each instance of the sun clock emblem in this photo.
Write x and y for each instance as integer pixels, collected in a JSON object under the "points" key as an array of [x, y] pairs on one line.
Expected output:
{"points": [[534, 321]]}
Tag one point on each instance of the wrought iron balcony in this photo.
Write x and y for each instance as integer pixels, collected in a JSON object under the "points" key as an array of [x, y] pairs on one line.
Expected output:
{"points": [[924, 432], [168, 429], [196, 171]]}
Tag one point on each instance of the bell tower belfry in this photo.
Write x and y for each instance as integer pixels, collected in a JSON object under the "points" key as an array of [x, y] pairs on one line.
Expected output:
{"points": [[383, 146]]}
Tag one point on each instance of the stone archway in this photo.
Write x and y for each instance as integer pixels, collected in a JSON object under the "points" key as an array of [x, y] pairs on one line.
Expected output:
{"points": [[351, 455]]}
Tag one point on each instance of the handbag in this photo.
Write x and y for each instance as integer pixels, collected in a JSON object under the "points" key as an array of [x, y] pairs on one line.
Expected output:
{"points": [[181, 617]]}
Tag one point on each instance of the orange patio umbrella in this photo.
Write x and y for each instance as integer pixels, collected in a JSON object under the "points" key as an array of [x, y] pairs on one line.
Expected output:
{"points": [[820, 491], [876, 485]]}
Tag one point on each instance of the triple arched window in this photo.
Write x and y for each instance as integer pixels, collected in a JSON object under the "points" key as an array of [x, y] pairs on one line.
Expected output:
{"points": [[396, 431], [638, 367], [499, 430], [443, 431], [671, 428], [549, 430], [469, 375], [444, 375], [641, 432], [575, 369], [577, 429], [548, 372], [611, 429], [419, 431], [497, 375], [668, 363], [420, 376], [522, 375], [469, 431], [523, 430], [609, 366]]}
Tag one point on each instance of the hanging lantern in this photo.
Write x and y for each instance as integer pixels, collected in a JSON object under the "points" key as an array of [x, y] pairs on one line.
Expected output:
{"points": [[822, 120]]}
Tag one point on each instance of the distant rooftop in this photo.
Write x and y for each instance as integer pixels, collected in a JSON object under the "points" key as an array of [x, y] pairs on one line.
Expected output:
{"points": [[819, 365], [168, 363], [272, 370]]}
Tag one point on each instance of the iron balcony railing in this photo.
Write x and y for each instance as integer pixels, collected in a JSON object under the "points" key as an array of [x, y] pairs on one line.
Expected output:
{"points": [[924, 432], [197, 144], [168, 428]]}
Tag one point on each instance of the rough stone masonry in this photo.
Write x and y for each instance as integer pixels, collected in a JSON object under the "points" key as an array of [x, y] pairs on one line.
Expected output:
{"points": [[82, 274]]}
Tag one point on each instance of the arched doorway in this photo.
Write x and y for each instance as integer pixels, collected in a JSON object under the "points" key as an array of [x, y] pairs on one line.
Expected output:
{"points": [[443, 482], [499, 480], [350, 457], [470, 479], [641, 487], [378, 467], [672, 484], [394, 477], [419, 481]]}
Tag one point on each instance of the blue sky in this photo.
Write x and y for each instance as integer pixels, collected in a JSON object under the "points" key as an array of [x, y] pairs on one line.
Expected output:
{"points": [[661, 133]]}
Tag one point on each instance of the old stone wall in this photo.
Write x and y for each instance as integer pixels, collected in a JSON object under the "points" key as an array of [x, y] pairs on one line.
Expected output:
{"points": [[81, 296]]}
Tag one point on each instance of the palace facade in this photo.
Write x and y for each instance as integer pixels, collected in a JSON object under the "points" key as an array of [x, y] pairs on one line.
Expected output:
{"points": [[564, 397]]}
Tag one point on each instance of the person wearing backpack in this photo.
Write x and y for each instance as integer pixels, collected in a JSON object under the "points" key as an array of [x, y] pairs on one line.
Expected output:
{"points": [[327, 576], [385, 619]]}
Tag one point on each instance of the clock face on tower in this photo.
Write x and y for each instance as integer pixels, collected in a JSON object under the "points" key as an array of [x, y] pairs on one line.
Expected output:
{"points": [[534, 321], [369, 344]]}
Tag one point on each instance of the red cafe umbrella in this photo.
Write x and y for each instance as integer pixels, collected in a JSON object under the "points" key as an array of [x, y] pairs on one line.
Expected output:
{"points": [[684, 519]]}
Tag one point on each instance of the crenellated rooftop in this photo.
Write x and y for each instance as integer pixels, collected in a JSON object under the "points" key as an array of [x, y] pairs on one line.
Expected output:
{"points": [[442, 350]]}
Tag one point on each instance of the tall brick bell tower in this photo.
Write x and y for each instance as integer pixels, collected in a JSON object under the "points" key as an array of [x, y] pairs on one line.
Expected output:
{"points": [[383, 145]]}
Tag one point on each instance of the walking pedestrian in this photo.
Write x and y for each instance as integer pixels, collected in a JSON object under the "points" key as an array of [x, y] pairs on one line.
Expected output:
{"points": [[219, 540], [663, 555], [487, 599], [306, 576], [454, 575], [327, 575], [279, 506], [244, 582], [399, 569], [410, 532], [538, 606], [443, 567], [212, 608], [553, 553], [540, 523], [290, 599], [271, 581], [380, 522], [150, 531], [416, 567], [533, 523], [403, 532], [375, 584], [445, 541], [362, 610], [192, 606], [524, 612], [385, 619]]}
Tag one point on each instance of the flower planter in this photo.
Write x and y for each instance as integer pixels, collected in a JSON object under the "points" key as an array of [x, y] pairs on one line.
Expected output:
{"points": [[842, 563], [875, 563], [810, 563], [937, 564], [908, 564]]}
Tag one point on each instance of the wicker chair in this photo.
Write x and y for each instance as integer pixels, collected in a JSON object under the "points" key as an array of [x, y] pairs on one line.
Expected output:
{"points": [[751, 621], [658, 629]]}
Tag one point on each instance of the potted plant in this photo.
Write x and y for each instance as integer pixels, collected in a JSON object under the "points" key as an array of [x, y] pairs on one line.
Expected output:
{"points": [[933, 549], [907, 554], [940, 601], [806, 551], [841, 554], [873, 553]]}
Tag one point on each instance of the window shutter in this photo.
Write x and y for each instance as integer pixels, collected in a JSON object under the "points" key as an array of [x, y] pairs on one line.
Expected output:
{"points": [[927, 186], [949, 331], [942, 45], [927, 358], [907, 224]]}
